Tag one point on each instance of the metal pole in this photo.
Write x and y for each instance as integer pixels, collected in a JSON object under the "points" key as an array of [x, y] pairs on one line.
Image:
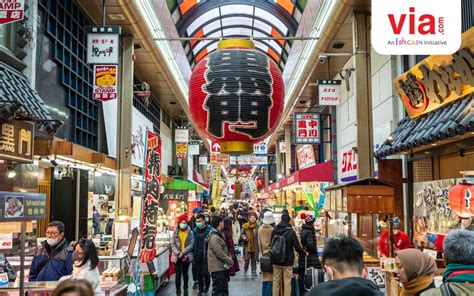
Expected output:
{"points": [[224, 38], [22, 258], [78, 194], [103, 13]]}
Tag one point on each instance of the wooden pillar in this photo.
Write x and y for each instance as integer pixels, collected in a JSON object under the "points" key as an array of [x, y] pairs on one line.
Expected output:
{"points": [[391, 170]]}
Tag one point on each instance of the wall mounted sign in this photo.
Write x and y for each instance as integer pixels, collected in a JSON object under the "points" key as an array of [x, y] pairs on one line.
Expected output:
{"points": [[305, 156], [181, 135], [16, 141], [306, 128], [438, 80], [347, 166], [6, 241], [151, 199], [215, 147], [329, 92], [21, 206], [105, 82], [218, 159], [11, 11], [103, 45]]}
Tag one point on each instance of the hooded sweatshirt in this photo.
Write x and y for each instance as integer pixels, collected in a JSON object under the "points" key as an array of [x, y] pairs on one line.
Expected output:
{"points": [[353, 286]]}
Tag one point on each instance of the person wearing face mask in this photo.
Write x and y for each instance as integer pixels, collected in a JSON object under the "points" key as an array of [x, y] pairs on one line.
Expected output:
{"points": [[85, 265], [201, 231], [250, 237], [401, 240], [182, 246], [53, 259]]}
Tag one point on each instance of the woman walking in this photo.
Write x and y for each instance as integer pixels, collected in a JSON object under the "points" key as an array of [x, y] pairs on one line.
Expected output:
{"points": [[182, 253], [264, 242], [250, 237], [416, 271], [229, 240], [308, 241]]}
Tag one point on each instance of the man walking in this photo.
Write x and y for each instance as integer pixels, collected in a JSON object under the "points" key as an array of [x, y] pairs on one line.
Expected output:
{"points": [[201, 231], [283, 244], [218, 259], [192, 224]]}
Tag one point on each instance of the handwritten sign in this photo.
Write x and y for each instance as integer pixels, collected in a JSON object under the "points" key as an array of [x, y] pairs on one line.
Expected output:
{"points": [[103, 45]]}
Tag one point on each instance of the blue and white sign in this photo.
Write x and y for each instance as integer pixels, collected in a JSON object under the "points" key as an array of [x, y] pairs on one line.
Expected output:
{"points": [[260, 148]]}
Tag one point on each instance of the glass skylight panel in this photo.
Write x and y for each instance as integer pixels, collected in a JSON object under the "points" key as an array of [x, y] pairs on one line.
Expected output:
{"points": [[262, 26], [272, 19], [200, 45], [212, 26], [237, 32], [211, 14], [236, 21], [261, 46], [237, 8]]}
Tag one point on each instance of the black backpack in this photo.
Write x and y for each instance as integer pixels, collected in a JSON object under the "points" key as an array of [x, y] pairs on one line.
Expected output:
{"points": [[278, 249]]}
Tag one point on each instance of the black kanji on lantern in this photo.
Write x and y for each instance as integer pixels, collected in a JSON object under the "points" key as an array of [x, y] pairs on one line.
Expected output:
{"points": [[238, 92]]}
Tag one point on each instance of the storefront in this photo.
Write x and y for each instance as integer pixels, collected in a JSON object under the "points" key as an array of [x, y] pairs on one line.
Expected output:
{"points": [[438, 138]]}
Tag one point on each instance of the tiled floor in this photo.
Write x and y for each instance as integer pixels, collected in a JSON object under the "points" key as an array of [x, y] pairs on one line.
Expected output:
{"points": [[245, 285]]}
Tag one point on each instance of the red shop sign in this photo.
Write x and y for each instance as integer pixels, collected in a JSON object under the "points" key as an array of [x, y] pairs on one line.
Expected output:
{"points": [[11, 11]]}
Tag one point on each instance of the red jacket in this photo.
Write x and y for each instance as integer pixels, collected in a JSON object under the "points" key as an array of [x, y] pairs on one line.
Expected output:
{"points": [[439, 243], [400, 241]]}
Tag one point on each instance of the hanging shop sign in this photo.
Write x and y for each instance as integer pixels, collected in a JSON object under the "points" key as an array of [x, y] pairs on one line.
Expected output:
{"points": [[248, 160], [236, 94], [215, 147], [151, 198], [103, 45], [216, 178], [175, 194], [181, 135], [438, 80], [282, 146], [16, 141], [218, 159], [203, 160], [193, 148], [347, 166], [181, 150], [305, 155], [11, 11], [105, 82], [329, 92], [260, 148], [306, 127], [19, 206]]}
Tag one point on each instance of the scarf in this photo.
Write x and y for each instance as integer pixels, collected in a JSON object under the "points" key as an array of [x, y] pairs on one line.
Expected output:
{"points": [[416, 264], [249, 228], [416, 285], [458, 273]]}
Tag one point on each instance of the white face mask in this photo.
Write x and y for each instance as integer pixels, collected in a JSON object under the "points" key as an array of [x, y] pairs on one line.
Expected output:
{"points": [[183, 226], [53, 241]]}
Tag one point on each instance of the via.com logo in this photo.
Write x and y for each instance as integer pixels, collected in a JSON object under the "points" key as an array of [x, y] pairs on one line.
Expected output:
{"points": [[416, 27]]}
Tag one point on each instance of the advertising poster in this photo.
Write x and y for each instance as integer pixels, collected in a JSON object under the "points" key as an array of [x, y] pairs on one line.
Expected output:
{"points": [[181, 150], [105, 82], [151, 199], [22, 206]]}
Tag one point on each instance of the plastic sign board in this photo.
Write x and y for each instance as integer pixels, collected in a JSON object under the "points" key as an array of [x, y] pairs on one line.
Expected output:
{"points": [[181, 135], [305, 156], [11, 11], [181, 150], [105, 82], [193, 148], [203, 160], [103, 45], [347, 166], [215, 147], [16, 141], [306, 127], [20, 206], [260, 148], [329, 92], [218, 159], [6, 241], [249, 160], [416, 27]]}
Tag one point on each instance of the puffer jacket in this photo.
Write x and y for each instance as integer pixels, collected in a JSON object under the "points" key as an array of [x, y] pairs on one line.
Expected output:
{"points": [[197, 233], [292, 242], [188, 244], [217, 252], [308, 241], [58, 266]]}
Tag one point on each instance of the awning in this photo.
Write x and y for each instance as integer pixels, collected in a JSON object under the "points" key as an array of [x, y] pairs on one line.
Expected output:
{"points": [[322, 172], [19, 101], [180, 184], [453, 120]]}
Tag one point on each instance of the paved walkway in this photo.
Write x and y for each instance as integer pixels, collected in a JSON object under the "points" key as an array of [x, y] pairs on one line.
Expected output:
{"points": [[245, 285]]}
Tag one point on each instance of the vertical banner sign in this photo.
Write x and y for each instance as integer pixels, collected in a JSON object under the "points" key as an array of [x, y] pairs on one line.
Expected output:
{"points": [[102, 45], [105, 82], [181, 150], [216, 177], [306, 127], [329, 92], [151, 198], [347, 166], [11, 11]]}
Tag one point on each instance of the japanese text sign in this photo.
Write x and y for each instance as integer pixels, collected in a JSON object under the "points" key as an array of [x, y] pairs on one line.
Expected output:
{"points": [[218, 159], [329, 92], [249, 160], [16, 141], [150, 203], [306, 127], [193, 148], [202, 160], [305, 154], [20, 206], [11, 11], [377, 276], [181, 135], [181, 150], [171, 196], [347, 166], [105, 82], [103, 45]]}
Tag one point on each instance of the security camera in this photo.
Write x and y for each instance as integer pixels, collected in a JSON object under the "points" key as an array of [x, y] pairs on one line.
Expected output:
{"points": [[323, 58]]}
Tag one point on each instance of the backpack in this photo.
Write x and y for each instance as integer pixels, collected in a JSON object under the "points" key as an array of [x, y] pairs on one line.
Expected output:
{"points": [[278, 249]]}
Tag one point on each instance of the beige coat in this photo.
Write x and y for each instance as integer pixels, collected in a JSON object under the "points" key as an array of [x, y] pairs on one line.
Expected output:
{"points": [[217, 253], [264, 241]]}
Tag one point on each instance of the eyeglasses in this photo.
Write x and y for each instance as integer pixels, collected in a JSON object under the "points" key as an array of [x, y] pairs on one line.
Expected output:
{"points": [[52, 232]]}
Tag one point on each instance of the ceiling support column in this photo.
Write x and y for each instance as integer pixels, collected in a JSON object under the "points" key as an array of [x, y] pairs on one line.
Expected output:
{"points": [[362, 87], [124, 130], [277, 160]]}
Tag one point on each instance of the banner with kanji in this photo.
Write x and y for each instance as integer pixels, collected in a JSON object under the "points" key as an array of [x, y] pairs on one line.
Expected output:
{"points": [[306, 127], [216, 178], [151, 198]]}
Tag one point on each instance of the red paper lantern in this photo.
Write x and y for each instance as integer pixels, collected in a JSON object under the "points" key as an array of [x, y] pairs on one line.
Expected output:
{"points": [[236, 96], [460, 200]]}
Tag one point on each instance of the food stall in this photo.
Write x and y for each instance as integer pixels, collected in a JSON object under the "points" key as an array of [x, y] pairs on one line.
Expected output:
{"points": [[355, 208]]}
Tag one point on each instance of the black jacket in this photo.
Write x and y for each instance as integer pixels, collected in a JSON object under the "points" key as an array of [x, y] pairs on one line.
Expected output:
{"points": [[308, 240], [292, 242], [353, 286]]}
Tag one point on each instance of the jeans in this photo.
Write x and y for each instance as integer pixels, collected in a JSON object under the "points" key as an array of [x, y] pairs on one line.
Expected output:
{"points": [[220, 283], [282, 274], [202, 275], [267, 288], [181, 268]]}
